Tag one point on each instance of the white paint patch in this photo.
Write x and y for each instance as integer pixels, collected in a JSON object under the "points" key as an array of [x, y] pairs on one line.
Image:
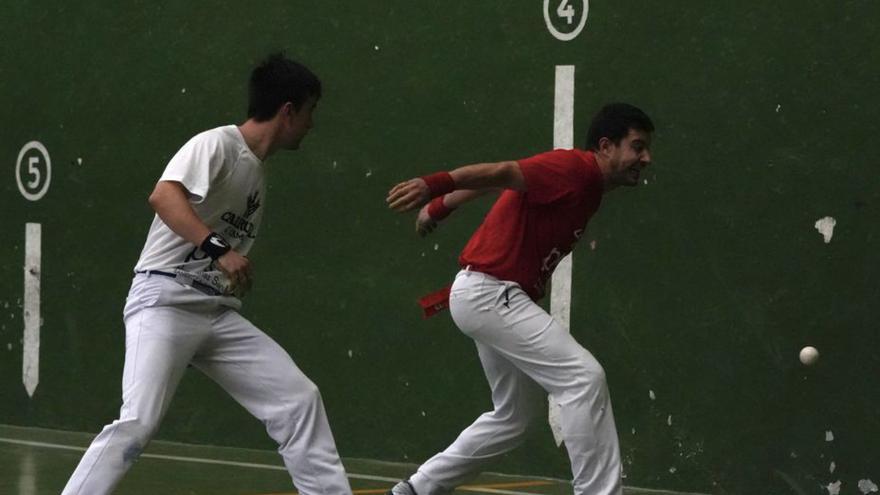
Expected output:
{"points": [[832, 467], [79, 161], [652, 395], [554, 417], [9, 346], [834, 488], [436, 246], [825, 226], [829, 436], [593, 245], [369, 173], [867, 486], [423, 414], [350, 353], [669, 420], [778, 108], [560, 292], [30, 367], [182, 90], [672, 470], [376, 47], [633, 431]]}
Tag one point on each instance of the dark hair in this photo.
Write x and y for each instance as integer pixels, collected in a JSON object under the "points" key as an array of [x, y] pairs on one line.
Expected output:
{"points": [[614, 121], [276, 81]]}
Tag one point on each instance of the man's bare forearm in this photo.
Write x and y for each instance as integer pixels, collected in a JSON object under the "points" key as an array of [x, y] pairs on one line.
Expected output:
{"points": [[500, 175], [461, 196], [170, 202]]}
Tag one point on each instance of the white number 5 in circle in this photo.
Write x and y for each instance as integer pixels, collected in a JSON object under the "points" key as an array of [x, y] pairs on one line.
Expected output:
{"points": [[34, 182], [565, 13]]}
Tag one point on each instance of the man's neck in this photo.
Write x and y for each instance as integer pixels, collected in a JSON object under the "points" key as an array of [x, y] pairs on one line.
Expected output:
{"points": [[260, 137], [604, 164]]}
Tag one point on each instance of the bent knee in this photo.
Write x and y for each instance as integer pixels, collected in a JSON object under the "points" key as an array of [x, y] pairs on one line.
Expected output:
{"points": [[308, 392], [303, 394], [589, 375]]}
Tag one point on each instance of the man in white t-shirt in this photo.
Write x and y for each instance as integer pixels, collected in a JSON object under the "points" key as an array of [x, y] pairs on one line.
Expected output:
{"points": [[182, 308]]}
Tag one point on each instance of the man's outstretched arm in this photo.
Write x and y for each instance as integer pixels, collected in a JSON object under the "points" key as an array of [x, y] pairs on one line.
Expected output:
{"points": [[415, 193]]}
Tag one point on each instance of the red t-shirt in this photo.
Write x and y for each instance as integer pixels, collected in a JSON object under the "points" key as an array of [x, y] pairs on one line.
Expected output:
{"points": [[526, 234]]}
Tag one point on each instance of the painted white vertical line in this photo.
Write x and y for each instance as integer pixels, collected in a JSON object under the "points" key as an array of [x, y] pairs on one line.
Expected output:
{"points": [[563, 108], [30, 367], [563, 137], [560, 292]]}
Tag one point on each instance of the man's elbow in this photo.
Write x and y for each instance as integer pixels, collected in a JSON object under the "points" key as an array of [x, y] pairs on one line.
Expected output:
{"points": [[155, 198], [162, 193], [512, 175]]}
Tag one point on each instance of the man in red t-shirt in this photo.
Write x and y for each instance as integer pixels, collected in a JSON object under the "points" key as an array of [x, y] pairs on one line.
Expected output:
{"points": [[543, 210]]}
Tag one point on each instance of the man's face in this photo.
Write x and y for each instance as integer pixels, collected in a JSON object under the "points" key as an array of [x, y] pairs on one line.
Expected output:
{"points": [[298, 123], [628, 157]]}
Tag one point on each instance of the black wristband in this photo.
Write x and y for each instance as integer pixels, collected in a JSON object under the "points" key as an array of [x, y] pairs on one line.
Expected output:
{"points": [[215, 245]]}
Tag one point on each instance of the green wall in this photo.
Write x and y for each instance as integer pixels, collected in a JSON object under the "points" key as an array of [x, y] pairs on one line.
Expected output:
{"points": [[703, 285]]}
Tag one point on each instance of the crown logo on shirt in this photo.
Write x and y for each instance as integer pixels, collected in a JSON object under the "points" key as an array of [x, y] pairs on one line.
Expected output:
{"points": [[253, 204]]}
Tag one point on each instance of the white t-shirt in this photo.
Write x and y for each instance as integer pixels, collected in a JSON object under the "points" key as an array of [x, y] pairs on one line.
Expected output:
{"points": [[226, 186]]}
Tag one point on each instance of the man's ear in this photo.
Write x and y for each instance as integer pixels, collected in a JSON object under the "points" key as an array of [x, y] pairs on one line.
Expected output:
{"points": [[287, 109], [605, 145]]}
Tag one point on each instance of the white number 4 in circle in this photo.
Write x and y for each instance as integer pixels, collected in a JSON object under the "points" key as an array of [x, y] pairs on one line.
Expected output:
{"points": [[573, 11], [566, 10]]}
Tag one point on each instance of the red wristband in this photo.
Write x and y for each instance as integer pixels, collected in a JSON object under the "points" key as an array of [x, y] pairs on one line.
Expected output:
{"points": [[439, 183], [438, 210]]}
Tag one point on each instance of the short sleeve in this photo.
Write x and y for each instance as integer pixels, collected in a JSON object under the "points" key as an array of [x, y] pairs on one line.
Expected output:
{"points": [[553, 176], [196, 165]]}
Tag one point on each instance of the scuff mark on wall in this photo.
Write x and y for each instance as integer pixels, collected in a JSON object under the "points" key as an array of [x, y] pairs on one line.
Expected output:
{"points": [[825, 226], [867, 486], [833, 488]]}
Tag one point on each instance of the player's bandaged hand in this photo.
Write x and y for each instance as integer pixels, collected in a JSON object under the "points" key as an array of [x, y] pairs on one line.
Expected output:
{"points": [[424, 223], [238, 269]]}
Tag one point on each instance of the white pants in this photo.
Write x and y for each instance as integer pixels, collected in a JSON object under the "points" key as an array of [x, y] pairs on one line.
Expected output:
{"points": [[523, 350], [169, 326]]}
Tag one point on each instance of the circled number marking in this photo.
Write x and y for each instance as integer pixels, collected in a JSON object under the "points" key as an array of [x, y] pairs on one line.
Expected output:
{"points": [[565, 15], [33, 171]]}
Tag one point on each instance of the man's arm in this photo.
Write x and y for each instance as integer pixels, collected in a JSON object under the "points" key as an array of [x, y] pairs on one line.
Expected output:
{"points": [[169, 201], [414, 193]]}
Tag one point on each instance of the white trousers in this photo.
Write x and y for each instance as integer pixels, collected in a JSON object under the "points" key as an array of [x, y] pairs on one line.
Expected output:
{"points": [[169, 326], [524, 350]]}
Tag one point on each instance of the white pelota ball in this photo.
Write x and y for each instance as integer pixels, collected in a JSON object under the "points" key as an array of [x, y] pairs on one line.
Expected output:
{"points": [[809, 355]]}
